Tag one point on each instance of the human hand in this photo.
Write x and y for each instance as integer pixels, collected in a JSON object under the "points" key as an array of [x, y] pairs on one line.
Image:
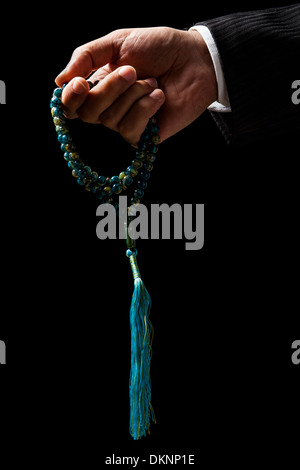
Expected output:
{"points": [[125, 98]]}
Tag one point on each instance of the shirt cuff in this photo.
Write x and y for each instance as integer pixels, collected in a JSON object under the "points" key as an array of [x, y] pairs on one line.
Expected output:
{"points": [[223, 104]]}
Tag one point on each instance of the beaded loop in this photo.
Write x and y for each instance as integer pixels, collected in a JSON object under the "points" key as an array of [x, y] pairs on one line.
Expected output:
{"points": [[104, 188]]}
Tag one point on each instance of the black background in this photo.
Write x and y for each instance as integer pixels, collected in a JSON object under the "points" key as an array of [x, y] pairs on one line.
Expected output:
{"points": [[224, 317]]}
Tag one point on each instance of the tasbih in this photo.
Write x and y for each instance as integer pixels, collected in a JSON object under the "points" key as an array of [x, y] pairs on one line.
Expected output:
{"points": [[106, 189]]}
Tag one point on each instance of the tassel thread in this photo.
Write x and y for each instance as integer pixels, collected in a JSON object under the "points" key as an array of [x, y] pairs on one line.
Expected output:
{"points": [[141, 411]]}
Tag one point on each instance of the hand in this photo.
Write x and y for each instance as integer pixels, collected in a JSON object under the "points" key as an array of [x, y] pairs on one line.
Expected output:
{"points": [[125, 98]]}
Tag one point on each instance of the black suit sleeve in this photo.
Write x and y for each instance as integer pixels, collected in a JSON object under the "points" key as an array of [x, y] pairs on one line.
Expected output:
{"points": [[260, 56]]}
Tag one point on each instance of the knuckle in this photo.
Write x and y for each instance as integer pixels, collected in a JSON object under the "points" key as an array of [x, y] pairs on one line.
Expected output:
{"points": [[85, 115], [108, 119], [127, 131]]}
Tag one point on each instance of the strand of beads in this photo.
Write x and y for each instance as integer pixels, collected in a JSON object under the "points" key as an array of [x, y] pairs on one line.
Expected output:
{"points": [[105, 188]]}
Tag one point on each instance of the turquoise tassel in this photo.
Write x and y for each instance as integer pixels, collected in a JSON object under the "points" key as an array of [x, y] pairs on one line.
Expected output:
{"points": [[141, 410]]}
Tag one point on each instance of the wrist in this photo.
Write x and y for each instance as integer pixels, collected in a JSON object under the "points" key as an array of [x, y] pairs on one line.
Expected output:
{"points": [[206, 70]]}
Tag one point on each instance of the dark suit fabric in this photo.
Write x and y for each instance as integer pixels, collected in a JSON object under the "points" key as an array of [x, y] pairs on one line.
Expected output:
{"points": [[259, 53]]}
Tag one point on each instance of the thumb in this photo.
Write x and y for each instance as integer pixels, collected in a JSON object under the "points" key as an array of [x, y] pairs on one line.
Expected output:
{"points": [[90, 56]]}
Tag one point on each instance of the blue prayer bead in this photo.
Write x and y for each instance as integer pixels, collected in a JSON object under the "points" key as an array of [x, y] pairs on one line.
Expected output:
{"points": [[154, 128], [94, 176], [145, 175], [55, 102], [129, 170], [142, 184], [127, 180], [73, 165], [140, 155], [145, 137], [115, 180], [77, 164], [116, 188], [101, 180], [66, 138], [88, 170], [57, 92], [82, 172], [152, 148], [139, 193]]}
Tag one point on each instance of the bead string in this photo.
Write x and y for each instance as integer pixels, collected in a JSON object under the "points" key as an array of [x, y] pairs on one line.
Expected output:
{"points": [[107, 188]]}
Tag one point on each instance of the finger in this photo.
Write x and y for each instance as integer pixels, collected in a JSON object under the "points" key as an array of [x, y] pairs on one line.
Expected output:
{"points": [[116, 112], [73, 96], [134, 123], [89, 57], [106, 92]]}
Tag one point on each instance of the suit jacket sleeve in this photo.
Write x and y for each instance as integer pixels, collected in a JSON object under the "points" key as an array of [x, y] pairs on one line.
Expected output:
{"points": [[259, 52]]}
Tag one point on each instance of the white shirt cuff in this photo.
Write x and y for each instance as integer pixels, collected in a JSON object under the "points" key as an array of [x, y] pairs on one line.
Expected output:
{"points": [[223, 104]]}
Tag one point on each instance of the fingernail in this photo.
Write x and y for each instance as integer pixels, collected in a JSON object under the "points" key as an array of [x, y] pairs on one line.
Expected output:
{"points": [[128, 73], [157, 94], [78, 86], [152, 82]]}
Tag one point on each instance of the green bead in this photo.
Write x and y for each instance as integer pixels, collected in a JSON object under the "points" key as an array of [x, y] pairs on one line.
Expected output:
{"points": [[61, 129], [131, 171], [137, 164], [148, 166], [88, 170], [140, 155], [151, 158], [74, 155], [58, 121]]}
